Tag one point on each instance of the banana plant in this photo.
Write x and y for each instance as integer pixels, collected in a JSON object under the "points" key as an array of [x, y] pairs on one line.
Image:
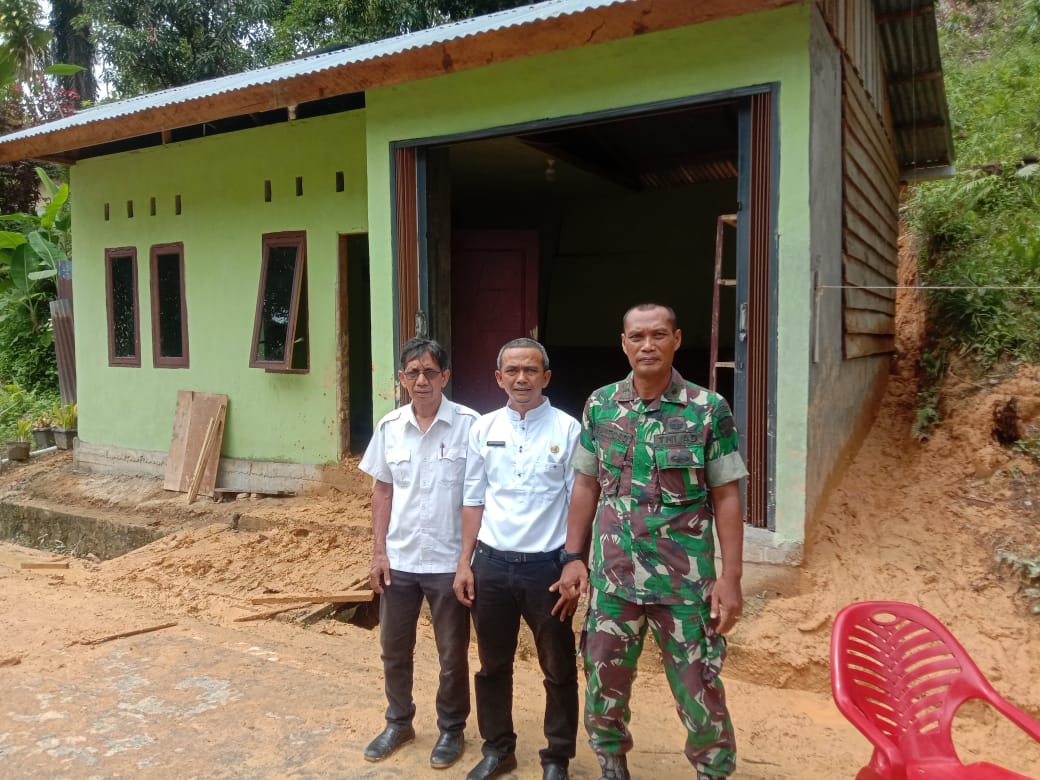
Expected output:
{"points": [[30, 253]]}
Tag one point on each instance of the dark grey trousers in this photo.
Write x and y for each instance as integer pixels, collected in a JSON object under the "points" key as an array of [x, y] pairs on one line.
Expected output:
{"points": [[398, 616]]}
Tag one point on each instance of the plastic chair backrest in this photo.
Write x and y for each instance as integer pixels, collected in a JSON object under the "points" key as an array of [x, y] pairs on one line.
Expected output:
{"points": [[899, 675]]}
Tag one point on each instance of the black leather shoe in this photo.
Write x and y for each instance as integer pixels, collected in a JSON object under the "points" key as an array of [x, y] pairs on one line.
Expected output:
{"points": [[448, 749], [386, 744], [554, 772], [492, 766]]}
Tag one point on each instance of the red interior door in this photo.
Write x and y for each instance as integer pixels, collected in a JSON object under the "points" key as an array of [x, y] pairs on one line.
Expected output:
{"points": [[494, 298]]}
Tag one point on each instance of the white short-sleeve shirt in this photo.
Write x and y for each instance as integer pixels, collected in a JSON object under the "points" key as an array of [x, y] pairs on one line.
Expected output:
{"points": [[427, 471], [519, 470]]}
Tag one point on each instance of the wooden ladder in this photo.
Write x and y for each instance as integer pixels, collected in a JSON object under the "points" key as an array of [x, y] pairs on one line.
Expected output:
{"points": [[714, 364]]}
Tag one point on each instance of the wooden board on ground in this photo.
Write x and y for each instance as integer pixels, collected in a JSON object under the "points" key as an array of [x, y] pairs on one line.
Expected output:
{"points": [[191, 421], [353, 597]]}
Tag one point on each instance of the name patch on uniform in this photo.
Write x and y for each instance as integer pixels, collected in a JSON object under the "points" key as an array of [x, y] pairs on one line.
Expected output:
{"points": [[676, 440], [496, 443], [610, 433]]}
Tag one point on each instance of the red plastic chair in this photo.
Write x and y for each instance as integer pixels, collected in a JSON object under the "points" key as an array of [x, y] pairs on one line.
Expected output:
{"points": [[899, 676]]}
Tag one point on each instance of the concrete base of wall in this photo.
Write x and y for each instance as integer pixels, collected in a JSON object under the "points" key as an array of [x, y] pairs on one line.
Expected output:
{"points": [[50, 528], [762, 546], [245, 476]]}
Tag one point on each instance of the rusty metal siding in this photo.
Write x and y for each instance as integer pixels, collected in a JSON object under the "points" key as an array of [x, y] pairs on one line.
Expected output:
{"points": [[65, 347], [760, 241]]}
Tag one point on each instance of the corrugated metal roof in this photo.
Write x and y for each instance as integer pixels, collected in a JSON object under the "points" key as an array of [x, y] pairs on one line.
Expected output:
{"points": [[916, 91], [548, 9]]}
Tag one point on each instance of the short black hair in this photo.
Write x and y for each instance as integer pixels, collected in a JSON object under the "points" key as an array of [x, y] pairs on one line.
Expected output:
{"points": [[416, 347], [523, 343], [650, 306]]}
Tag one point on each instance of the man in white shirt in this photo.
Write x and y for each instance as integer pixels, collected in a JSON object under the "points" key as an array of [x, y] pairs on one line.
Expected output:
{"points": [[418, 459], [514, 524]]}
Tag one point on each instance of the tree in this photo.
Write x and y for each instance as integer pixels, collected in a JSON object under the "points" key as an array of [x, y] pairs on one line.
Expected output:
{"points": [[309, 25], [23, 42], [71, 43], [27, 95], [147, 45]]}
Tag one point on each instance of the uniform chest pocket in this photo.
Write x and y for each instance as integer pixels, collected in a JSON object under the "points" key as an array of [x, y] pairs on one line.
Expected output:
{"points": [[612, 464], [451, 466], [399, 459], [681, 473]]}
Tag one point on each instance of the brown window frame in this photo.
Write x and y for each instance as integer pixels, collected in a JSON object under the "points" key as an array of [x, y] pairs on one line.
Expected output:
{"points": [[158, 359], [128, 361], [297, 239]]}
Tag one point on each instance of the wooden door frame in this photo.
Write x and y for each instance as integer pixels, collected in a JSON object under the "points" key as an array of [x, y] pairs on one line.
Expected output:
{"points": [[759, 106]]}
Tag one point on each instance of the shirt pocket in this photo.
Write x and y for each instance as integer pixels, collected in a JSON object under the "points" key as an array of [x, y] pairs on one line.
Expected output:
{"points": [[399, 459], [680, 471], [612, 464], [451, 466]]}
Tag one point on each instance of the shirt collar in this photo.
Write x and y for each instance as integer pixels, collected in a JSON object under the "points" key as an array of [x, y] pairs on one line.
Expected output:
{"points": [[676, 392], [532, 414], [444, 414]]}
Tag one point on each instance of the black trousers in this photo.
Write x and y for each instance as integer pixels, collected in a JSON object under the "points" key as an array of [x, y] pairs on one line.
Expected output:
{"points": [[505, 592], [398, 616]]}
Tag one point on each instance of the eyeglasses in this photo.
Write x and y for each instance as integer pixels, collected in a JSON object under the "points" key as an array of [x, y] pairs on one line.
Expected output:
{"points": [[429, 373]]}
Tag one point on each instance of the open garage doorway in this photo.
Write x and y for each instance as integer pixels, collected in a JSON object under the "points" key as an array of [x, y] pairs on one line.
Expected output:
{"points": [[553, 231]]}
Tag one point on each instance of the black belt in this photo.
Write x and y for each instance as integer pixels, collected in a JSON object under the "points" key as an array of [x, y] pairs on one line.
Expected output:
{"points": [[510, 556]]}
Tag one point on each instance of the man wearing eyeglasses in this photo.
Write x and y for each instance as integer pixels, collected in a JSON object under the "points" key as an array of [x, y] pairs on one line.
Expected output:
{"points": [[514, 523], [418, 459]]}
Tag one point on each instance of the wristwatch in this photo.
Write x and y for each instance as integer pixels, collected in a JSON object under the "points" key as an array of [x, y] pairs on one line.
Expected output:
{"points": [[567, 557]]}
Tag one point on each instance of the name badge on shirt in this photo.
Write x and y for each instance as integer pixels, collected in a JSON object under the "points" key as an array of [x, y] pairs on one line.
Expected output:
{"points": [[496, 443], [610, 433], [676, 439]]}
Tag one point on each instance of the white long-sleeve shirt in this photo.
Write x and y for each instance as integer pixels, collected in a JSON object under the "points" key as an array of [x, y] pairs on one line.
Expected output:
{"points": [[519, 470]]}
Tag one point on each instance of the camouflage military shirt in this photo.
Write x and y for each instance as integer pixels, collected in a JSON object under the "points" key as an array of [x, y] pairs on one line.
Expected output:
{"points": [[655, 462]]}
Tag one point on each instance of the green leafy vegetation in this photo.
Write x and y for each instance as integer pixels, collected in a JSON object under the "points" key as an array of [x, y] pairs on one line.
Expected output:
{"points": [[31, 246], [978, 233]]}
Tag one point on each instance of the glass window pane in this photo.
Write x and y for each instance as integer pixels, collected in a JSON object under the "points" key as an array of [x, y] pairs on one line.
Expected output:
{"points": [[168, 277], [277, 305], [125, 339]]}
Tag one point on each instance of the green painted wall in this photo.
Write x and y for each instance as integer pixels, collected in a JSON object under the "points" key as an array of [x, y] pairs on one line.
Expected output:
{"points": [[274, 417], [749, 50]]}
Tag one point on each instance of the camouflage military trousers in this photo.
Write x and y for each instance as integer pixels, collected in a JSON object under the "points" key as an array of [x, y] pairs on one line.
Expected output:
{"points": [[612, 640]]}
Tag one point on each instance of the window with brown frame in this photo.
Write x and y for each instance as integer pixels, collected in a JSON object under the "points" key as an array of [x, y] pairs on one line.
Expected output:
{"points": [[124, 330], [280, 332], [169, 308]]}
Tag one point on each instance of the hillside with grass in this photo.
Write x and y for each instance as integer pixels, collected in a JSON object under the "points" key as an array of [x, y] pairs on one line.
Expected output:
{"points": [[977, 234]]}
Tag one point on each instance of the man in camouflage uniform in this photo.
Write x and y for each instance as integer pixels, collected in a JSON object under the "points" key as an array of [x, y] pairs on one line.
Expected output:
{"points": [[657, 465]]}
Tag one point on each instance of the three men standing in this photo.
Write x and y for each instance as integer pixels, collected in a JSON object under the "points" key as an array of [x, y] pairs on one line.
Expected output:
{"points": [[514, 523], [652, 468], [658, 465], [418, 459]]}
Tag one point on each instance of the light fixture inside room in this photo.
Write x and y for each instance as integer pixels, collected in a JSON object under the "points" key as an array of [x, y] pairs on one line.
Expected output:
{"points": [[550, 170]]}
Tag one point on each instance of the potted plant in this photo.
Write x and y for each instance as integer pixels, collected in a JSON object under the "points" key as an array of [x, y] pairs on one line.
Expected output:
{"points": [[18, 449], [43, 432], [65, 422]]}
